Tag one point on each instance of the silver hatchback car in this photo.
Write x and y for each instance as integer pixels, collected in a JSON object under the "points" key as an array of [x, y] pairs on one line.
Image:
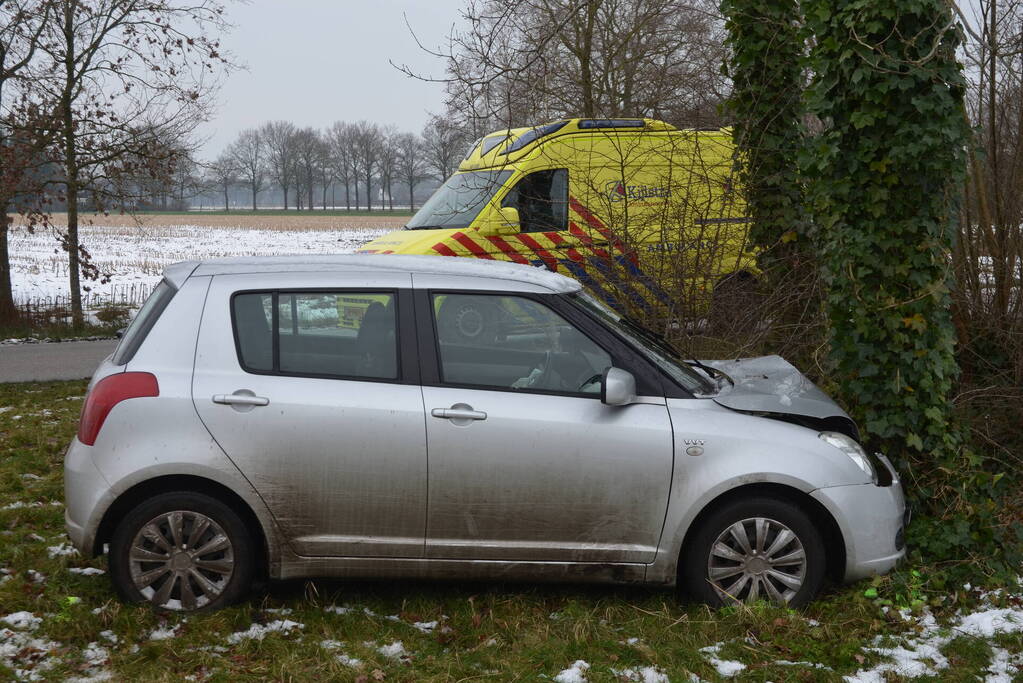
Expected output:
{"points": [[384, 416]]}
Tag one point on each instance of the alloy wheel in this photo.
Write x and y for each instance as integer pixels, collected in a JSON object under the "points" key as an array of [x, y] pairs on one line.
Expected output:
{"points": [[757, 558], [181, 560]]}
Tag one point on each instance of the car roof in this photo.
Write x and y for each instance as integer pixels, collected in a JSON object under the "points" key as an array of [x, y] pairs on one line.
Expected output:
{"points": [[511, 273]]}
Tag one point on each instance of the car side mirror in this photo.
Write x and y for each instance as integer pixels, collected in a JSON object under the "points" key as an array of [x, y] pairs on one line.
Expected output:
{"points": [[508, 221], [617, 387]]}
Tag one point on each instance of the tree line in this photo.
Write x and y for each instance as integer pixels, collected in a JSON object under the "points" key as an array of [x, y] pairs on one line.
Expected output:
{"points": [[363, 161]]}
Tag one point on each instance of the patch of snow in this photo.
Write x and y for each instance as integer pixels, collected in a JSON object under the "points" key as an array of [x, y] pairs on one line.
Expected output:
{"points": [[334, 609], [725, 667], [425, 626], [31, 477], [920, 655], [258, 631], [25, 621], [351, 662], [394, 651], [95, 655], [136, 257], [86, 571], [331, 644], [110, 635], [164, 633], [26, 655], [646, 674], [283, 611], [992, 622], [62, 550], [812, 665], [574, 674], [36, 577], [1003, 667]]}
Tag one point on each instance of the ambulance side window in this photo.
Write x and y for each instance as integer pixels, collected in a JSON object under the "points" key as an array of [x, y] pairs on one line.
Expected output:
{"points": [[542, 200]]}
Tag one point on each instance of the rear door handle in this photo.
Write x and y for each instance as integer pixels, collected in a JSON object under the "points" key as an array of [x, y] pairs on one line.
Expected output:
{"points": [[240, 400], [458, 413]]}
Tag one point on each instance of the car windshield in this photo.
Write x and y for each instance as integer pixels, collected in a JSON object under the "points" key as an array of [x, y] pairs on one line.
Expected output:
{"points": [[675, 367], [458, 201]]}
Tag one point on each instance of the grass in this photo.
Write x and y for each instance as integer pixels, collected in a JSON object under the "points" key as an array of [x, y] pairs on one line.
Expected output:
{"points": [[486, 631], [57, 331]]}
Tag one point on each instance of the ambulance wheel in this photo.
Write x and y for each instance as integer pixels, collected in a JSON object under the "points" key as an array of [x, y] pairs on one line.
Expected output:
{"points": [[467, 320]]}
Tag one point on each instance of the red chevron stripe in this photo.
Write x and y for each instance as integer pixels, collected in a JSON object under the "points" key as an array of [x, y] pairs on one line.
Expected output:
{"points": [[548, 259], [477, 250], [443, 249], [588, 241], [594, 222], [508, 249], [572, 253]]}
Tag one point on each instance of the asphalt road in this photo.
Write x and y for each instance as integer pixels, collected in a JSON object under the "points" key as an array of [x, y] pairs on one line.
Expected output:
{"points": [[43, 362]]}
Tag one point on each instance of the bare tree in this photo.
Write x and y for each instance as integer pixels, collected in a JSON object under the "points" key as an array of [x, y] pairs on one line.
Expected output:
{"points": [[411, 165], [524, 61], [444, 142], [310, 154], [278, 138], [340, 139], [131, 81], [223, 174], [249, 155], [388, 164], [26, 131], [367, 144]]}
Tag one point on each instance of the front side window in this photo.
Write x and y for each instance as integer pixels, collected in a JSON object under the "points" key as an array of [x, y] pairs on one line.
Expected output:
{"points": [[542, 200], [459, 200], [514, 343], [336, 334]]}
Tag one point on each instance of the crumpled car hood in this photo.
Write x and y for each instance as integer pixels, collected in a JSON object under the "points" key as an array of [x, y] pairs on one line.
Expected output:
{"points": [[773, 386]]}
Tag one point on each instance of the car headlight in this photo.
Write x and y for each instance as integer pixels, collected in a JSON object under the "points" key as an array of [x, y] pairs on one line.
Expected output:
{"points": [[850, 447]]}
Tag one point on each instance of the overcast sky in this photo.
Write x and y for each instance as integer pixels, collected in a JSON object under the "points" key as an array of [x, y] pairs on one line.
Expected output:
{"points": [[314, 62]]}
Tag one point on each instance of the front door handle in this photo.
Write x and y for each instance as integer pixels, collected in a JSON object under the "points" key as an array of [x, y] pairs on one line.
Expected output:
{"points": [[238, 399], [459, 412]]}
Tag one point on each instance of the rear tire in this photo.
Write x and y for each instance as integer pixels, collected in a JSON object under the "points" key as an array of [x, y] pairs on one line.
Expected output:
{"points": [[182, 551], [758, 548]]}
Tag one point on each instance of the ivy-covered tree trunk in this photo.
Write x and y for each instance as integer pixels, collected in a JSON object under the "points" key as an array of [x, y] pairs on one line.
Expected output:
{"points": [[765, 65], [888, 170]]}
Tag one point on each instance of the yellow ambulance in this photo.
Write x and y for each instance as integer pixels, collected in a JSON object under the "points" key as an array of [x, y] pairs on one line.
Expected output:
{"points": [[637, 210]]}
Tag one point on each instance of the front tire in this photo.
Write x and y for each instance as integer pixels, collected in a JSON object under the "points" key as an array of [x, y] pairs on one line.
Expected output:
{"points": [[755, 549], [182, 551]]}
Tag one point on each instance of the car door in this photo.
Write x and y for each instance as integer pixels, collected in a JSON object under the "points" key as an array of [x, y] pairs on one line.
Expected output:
{"points": [[301, 382], [526, 462]]}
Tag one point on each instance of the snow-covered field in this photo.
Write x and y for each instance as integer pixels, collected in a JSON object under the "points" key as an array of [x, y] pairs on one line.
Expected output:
{"points": [[135, 257]]}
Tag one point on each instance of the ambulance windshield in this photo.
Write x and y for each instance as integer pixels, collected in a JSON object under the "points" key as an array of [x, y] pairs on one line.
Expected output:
{"points": [[459, 200]]}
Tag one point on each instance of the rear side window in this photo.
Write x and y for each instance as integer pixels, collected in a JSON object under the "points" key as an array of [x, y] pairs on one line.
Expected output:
{"points": [[139, 328], [317, 334]]}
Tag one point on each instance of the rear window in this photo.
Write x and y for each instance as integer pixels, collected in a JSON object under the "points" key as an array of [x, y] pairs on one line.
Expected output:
{"points": [[147, 316], [346, 334]]}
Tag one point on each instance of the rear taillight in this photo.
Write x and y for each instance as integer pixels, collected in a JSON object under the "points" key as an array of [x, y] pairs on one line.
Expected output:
{"points": [[107, 393]]}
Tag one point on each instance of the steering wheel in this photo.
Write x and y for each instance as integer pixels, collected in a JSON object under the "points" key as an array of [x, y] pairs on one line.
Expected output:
{"points": [[544, 368]]}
